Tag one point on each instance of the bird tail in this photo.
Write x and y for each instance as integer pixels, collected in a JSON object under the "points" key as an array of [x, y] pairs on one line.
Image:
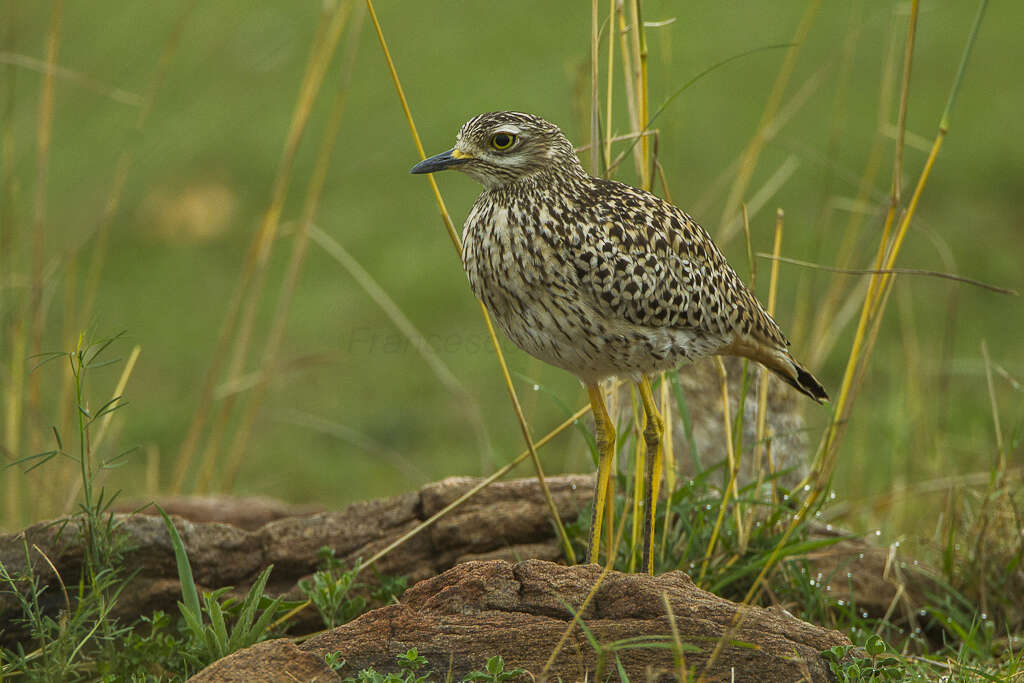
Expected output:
{"points": [[783, 365]]}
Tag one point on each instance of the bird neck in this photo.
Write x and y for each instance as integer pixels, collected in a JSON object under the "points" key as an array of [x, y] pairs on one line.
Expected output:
{"points": [[555, 177]]}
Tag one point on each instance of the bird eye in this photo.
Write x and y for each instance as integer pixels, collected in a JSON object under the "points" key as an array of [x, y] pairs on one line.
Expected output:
{"points": [[502, 141]]}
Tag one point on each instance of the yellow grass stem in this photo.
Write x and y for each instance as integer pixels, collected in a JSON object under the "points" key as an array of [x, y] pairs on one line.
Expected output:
{"points": [[677, 643], [456, 242], [609, 89], [609, 562], [730, 487], [668, 453], [826, 330], [791, 108], [248, 289], [595, 95], [477, 488], [300, 245], [764, 374], [12, 393], [639, 471], [825, 459], [640, 54], [635, 124], [753, 150], [405, 326], [901, 117], [1000, 447], [871, 315], [575, 618], [44, 135], [13, 420]]}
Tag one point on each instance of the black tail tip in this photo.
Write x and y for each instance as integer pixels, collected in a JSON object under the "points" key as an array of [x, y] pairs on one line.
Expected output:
{"points": [[807, 384]]}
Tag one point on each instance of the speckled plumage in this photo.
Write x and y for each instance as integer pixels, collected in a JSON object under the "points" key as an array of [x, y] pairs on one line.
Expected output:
{"points": [[595, 276]]}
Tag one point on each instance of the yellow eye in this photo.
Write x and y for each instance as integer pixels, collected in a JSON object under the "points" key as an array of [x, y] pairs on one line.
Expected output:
{"points": [[502, 141]]}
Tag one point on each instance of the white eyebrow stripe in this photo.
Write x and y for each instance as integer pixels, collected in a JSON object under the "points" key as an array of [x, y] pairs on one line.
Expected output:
{"points": [[509, 128]]}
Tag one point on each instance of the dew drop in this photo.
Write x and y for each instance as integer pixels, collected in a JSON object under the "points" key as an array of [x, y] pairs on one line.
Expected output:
{"points": [[864, 615], [923, 613], [878, 532], [828, 527], [536, 387], [807, 487]]}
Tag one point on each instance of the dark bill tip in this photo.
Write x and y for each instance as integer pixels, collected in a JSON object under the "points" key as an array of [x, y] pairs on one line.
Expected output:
{"points": [[438, 162]]}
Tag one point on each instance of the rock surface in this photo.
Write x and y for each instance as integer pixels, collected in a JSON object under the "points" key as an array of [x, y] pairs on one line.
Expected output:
{"points": [[508, 520], [522, 611]]}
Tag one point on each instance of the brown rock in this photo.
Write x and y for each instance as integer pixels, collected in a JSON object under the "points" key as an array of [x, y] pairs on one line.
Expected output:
{"points": [[510, 520], [273, 660], [244, 512], [522, 610]]}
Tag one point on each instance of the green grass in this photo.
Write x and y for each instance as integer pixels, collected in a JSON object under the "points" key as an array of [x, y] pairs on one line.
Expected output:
{"points": [[220, 115], [968, 626]]}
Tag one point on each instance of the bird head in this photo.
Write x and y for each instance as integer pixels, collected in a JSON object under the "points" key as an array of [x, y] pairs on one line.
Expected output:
{"points": [[505, 147]]}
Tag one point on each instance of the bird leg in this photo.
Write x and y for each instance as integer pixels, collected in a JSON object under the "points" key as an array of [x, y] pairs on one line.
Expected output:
{"points": [[653, 430], [605, 435]]}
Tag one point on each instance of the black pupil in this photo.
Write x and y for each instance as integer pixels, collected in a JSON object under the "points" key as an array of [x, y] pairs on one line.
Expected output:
{"points": [[502, 140]]}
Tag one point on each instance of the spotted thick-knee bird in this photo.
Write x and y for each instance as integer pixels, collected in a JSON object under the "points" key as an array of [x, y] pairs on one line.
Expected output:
{"points": [[600, 279]]}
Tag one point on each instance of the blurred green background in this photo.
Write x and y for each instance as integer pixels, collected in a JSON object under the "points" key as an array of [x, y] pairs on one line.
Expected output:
{"points": [[354, 411]]}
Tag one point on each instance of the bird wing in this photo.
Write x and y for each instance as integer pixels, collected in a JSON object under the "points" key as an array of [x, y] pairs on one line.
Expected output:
{"points": [[648, 263]]}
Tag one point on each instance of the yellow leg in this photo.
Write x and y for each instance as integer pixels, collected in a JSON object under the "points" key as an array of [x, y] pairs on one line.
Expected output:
{"points": [[653, 430], [605, 435]]}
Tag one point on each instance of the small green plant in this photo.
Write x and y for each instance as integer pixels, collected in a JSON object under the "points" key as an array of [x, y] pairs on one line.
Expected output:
{"points": [[329, 587], [211, 641], [409, 665], [879, 665], [81, 634], [334, 661], [494, 672]]}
